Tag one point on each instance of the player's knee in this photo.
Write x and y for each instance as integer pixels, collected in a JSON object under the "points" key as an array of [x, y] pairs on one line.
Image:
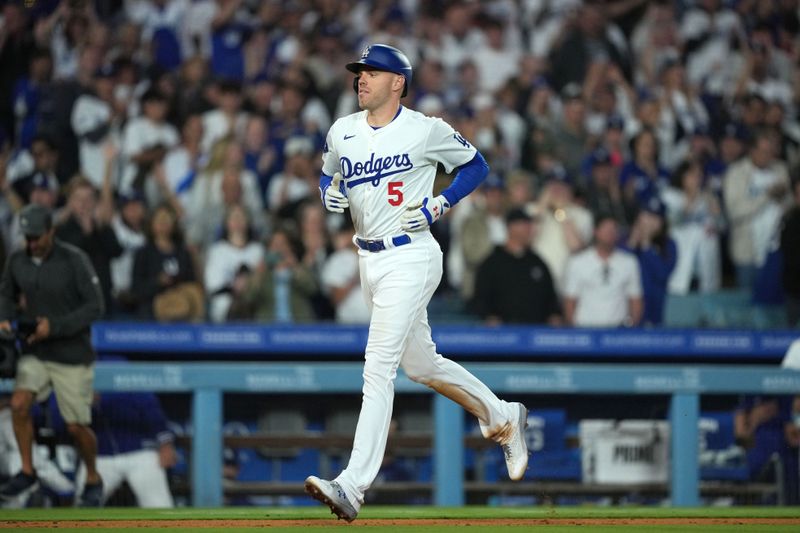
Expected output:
{"points": [[417, 375]]}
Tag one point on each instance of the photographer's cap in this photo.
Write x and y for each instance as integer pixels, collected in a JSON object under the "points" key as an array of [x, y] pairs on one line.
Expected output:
{"points": [[35, 220]]}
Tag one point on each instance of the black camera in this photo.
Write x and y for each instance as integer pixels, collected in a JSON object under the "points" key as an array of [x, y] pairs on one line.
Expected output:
{"points": [[12, 343], [9, 353]]}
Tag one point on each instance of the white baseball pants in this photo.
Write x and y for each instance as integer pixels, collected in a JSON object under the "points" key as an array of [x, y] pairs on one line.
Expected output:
{"points": [[398, 283], [143, 472]]}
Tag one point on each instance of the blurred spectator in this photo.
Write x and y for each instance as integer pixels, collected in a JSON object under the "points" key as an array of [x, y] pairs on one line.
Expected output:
{"points": [[497, 58], [134, 446], [787, 130], [565, 227], [145, 141], [230, 30], [161, 22], [220, 186], [682, 113], [290, 121], [613, 140], [65, 32], [296, 183], [41, 190], [751, 109], [16, 48], [259, 156], [710, 31], [41, 158], [696, 221], [164, 277], [236, 254], [280, 289], [96, 119], [226, 120], [790, 246], [568, 140], [476, 234], [763, 425], [731, 143], [128, 223], [185, 161], [540, 116], [513, 285], [31, 95], [603, 193], [487, 135], [260, 94], [643, 177], [767, 70], [520, 193], [650, 242], [340, 279], [602, 284], [193, 88], [88, 228], [587, 38], [459, 37], [756, 193], [315, 245], [655, 36]]}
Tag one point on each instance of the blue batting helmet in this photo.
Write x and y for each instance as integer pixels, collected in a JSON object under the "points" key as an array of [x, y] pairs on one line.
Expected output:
{"points": [[383, 57]]}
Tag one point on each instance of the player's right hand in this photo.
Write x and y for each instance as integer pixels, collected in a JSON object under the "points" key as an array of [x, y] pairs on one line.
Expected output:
{"points": [[333, 198]]}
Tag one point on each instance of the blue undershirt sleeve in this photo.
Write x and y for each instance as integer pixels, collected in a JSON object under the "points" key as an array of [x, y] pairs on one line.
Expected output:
{"points": [[467, 179], [324, 183]]}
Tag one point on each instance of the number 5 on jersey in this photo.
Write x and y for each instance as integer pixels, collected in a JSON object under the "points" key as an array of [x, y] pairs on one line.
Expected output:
{"points": [[395, 193]]}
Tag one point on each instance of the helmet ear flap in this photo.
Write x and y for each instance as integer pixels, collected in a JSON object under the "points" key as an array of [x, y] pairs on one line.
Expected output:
{"points": [[355, 84]]}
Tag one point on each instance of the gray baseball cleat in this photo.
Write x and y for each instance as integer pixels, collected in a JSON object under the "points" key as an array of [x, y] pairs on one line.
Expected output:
{"points": [[516, 449], [331, 494]]}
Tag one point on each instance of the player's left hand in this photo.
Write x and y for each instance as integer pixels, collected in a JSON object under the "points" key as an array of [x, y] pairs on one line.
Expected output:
{"points": [[421, 215], [332, 196]]}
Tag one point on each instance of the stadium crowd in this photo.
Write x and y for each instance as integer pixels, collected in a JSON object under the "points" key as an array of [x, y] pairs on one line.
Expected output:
{"points": [[179, 143]]}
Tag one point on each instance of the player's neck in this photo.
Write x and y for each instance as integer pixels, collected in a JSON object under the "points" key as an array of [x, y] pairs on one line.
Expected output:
{"points": [[383, 115]]}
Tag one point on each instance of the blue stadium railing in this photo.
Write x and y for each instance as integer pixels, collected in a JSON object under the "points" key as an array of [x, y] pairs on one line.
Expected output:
{"points": [[473, 341], [207, 382]]}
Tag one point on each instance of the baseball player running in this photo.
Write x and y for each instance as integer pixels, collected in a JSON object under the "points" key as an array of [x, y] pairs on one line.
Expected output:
{"points": [[381, 163]]}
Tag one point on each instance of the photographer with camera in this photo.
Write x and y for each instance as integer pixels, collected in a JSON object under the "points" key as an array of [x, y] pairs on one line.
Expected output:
{"points": [[53, 293]]}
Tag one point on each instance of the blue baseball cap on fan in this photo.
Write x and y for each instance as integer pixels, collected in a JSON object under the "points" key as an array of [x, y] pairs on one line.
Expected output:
{"points": [[655, 206], [615, 122], [600, 156], [558, 173]]}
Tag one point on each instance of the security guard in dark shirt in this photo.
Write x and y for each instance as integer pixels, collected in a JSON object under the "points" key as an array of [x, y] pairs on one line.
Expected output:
{"points": [[53, 292], [513, 285]]}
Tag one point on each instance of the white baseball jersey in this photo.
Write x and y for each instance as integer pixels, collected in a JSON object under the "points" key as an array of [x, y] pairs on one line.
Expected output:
{"points": [[389, 168], [385, 170]]}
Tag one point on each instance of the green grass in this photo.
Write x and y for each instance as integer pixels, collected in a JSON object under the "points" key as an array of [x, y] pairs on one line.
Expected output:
{"points": [[400, 513], [319, 520]]}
